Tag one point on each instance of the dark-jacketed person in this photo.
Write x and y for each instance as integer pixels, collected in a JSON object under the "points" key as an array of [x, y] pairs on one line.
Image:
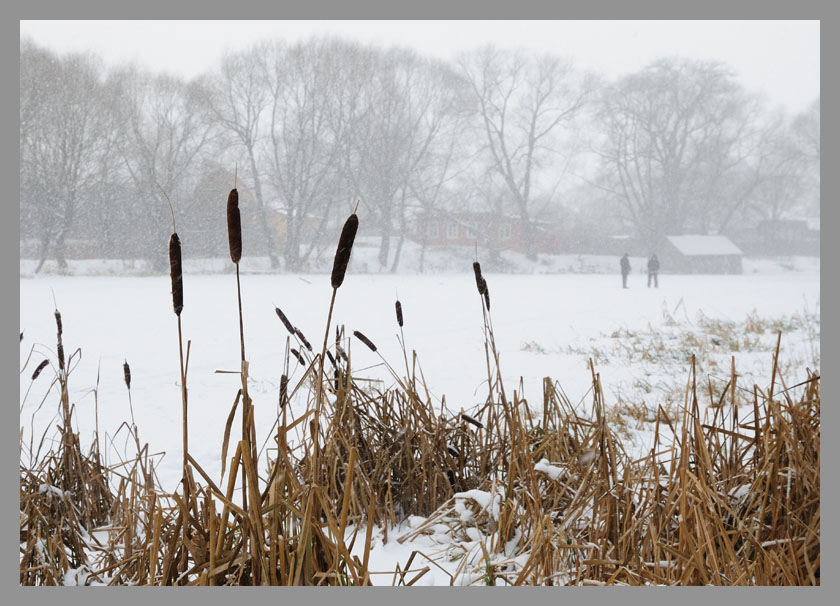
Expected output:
{"points": [[625, 269], [653, 271]]}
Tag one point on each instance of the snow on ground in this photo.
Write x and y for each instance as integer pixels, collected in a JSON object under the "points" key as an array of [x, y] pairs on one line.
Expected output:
{"points": [[545, 325]]}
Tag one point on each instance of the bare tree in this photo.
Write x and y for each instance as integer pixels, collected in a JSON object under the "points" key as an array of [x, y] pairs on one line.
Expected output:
{"points": [[62, 139], [673, 135], [163, 138], [411, 108], [310, 106], [522, 105], [237, 97]]}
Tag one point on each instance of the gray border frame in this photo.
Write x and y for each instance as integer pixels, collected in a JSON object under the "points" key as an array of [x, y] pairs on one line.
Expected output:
{"points": [[379, 9]]}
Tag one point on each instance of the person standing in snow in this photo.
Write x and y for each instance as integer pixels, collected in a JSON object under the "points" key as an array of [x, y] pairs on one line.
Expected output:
{"points": [[653, 271], [625, 269]]}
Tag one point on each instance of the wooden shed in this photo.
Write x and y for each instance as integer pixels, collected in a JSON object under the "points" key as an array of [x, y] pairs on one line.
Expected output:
{"points": [[697, 254]]}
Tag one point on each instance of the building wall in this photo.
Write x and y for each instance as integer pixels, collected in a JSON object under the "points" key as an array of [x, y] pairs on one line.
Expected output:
{"points": [[469, 228]]}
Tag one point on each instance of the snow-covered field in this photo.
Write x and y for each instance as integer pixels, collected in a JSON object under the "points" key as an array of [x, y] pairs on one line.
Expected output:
{"points": [[640, 340]]}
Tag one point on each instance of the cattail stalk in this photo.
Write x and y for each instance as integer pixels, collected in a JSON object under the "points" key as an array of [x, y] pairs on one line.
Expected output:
{"points": [[234, 224], [340, 263], [176, 277]]}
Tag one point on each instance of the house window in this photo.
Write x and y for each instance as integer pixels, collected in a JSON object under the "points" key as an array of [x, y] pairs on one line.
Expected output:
{"points": [[433, 230], [452, 231], [504, 231]]}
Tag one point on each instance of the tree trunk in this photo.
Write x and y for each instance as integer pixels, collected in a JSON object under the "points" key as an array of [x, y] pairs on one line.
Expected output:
{"points": [[45, 249], [67, 222], [402, 234], [269, 239], [385, 244], [528, 236]]}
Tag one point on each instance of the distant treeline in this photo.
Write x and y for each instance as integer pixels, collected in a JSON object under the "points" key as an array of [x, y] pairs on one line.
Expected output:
{"points": [[307, 129]]}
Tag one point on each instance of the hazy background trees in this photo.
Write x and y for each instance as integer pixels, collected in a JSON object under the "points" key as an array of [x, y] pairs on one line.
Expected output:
{"points": [[308, 129]]}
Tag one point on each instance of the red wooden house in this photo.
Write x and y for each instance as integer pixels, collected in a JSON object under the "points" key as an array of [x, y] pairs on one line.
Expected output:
{"points": [[467, 228]]}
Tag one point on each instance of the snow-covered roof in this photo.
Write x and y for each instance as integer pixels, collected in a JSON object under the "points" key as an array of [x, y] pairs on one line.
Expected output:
{"points": [[692, 245]]}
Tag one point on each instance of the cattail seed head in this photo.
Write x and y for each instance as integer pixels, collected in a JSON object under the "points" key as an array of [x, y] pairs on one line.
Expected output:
{"points": [[176, 273], [479, 280], [332, 359], [284, 387], [399, 313], [127, 375], [234, 226], [57, 321], [60, 355], [365, 340], [486, 294], [299, 357], [21, 336], [39, 368], [284, 320], [302, 339], [345, 247]]}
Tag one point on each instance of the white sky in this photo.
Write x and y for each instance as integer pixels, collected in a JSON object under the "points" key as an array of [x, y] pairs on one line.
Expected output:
{"points": [[778, 58]]}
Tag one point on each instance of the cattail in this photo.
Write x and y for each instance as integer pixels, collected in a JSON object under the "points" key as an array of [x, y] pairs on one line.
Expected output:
{"points": [[340, 352], [365, 340], [486, 294], [284, 386], [471, 420], [299, 357], [176, 274], [127, 375], [342, 253], [234, 226], [399, 313], [332, 359], [60, 355], [39, 368], [285, 320], [479, 280], [58, 321], [21, 336], [303, 339]]}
